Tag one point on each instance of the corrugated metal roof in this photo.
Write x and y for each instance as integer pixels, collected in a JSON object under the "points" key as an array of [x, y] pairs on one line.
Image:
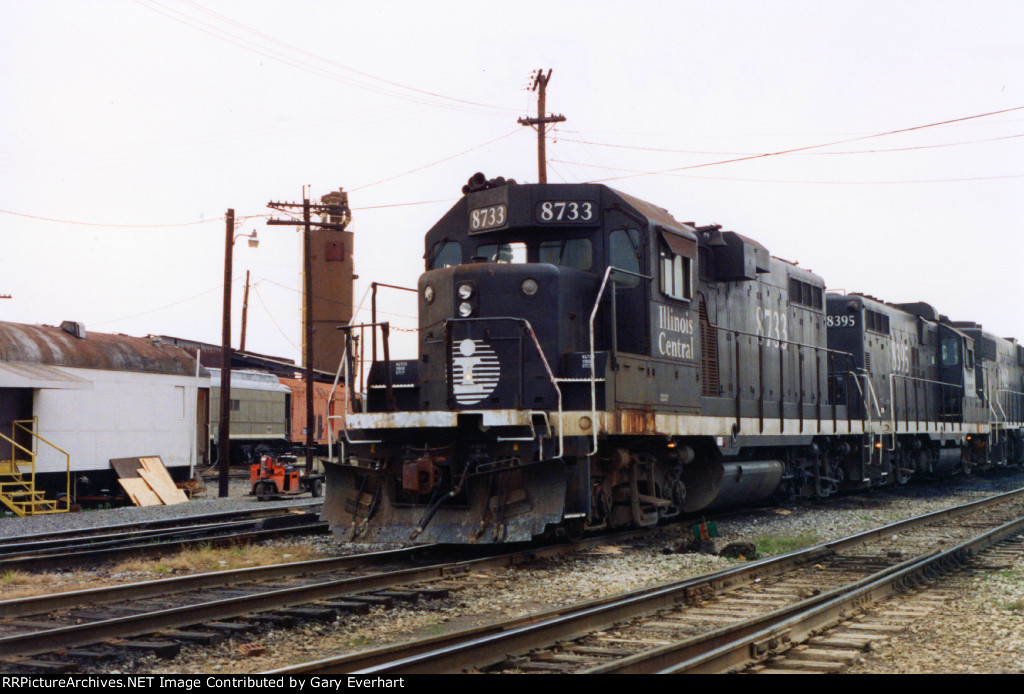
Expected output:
{"points": [[49, 345]]}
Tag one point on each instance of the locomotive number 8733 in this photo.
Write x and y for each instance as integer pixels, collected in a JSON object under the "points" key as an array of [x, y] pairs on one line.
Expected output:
{"points": [[586, 361]]}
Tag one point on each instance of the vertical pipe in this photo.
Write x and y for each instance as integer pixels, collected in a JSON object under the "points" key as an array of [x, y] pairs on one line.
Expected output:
{"points": [[224, 441], [373, 320], [245, 311], [307, 264]]}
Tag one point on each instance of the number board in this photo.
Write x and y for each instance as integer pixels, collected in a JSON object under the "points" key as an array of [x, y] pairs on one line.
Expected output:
{"points": [[484, 218], [567, 212], [841, 321]]}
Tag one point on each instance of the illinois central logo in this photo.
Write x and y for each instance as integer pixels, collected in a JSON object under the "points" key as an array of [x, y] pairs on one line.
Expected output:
{"points": [[475, 371]]}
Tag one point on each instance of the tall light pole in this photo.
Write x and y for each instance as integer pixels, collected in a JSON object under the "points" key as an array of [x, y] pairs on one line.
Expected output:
{"points": [[224, 433]]}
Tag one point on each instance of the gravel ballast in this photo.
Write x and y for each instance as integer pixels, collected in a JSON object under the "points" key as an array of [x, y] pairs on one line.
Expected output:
{"points": [[980, 631]]}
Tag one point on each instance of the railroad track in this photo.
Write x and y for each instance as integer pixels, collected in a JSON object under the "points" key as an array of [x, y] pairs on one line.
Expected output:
{"points": [[748, 616], [61, 632], [89, 546]]}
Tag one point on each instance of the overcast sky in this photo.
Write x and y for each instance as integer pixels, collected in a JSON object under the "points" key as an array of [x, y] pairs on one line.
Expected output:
{"points": [[127, 129]]}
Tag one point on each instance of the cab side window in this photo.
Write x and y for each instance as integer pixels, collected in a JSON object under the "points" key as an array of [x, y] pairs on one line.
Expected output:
{"points": [[676, 274], [624, 253], [445, 254]]}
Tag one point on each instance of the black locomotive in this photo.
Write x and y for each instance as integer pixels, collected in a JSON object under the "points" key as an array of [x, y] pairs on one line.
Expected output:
{"points": [[586, 361]]}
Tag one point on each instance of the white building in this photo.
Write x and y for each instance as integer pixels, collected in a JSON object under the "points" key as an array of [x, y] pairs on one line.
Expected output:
{"points": [[98, 397]]}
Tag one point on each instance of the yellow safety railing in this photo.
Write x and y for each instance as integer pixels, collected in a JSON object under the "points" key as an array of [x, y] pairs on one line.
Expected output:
{"points": [[17, 491]]}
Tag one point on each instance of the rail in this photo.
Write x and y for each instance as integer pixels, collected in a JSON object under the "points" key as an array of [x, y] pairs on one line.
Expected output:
{"points": [[486, 645]]}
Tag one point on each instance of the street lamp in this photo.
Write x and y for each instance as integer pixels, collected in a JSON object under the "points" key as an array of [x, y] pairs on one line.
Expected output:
{"points": [[224, 445]]}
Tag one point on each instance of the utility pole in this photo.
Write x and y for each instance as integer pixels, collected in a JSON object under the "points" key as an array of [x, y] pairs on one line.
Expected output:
{"points": [[224, 430], [540, 83], [224, 437], [307, 223]]}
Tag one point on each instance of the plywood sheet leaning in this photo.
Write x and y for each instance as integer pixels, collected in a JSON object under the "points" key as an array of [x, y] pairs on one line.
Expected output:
{"points": [[156, 475], [135, 487], [147, 482], [139, 492]]}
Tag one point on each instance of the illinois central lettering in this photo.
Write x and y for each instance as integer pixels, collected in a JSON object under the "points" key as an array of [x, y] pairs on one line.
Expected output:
{"points": [[675, 334]]}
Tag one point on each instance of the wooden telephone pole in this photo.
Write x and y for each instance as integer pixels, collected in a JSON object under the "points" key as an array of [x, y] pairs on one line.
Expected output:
{"points": [[540, 83], [333, 210]]}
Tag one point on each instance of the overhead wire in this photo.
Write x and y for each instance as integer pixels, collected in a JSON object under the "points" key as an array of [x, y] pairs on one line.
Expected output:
{"points": [[805, 182], [820, 154], [347, 68], [435, 163], [118, 226], [334, 301], [808, 147], [364, 81], [266, 308]]}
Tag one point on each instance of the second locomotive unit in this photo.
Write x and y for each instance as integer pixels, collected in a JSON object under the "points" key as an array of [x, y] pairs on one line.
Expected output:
{"points": [[587, 361]]}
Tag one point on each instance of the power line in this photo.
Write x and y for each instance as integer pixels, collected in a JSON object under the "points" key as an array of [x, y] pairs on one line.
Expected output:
{"points": [[347, 68], [771, 180], [808, 147], [820, 154], [394, 89], [439, 161], [97, 224]]}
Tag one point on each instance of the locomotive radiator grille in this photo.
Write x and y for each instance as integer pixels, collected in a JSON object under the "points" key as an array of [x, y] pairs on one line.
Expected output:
{"points": [[708, 353]]}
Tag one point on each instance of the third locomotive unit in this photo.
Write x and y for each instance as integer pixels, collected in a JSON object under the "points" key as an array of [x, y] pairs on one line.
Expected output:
{"points": [[586, 361]]}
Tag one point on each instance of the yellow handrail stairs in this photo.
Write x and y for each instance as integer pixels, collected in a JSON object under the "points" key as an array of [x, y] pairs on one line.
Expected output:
{"points": [[18, 475]]}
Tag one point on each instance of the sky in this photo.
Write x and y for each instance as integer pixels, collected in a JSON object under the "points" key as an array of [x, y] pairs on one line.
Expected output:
{"points": [[880, 145]]}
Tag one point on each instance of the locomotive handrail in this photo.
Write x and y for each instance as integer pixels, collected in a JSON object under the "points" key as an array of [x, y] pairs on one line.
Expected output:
{"points": [[334, 387], [1011, 392], [344, 412], [817, 349], [593, 365], [916, 379], [874, 396]]}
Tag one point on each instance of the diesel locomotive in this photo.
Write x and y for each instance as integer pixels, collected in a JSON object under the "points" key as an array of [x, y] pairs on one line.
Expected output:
{"points": [[586, 361]]}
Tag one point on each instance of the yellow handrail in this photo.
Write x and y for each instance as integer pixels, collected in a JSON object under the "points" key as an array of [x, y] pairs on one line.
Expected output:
{"points": [[28, 426]]}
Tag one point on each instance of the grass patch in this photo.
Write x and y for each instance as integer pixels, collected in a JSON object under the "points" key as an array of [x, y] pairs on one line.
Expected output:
{"points": [[774, 544], [1015, 606], [205, 557], [200, 559], [15, 578]]}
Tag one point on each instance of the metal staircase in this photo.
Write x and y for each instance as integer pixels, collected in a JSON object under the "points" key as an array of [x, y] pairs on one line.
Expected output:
{"points": [[18, 474]]}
